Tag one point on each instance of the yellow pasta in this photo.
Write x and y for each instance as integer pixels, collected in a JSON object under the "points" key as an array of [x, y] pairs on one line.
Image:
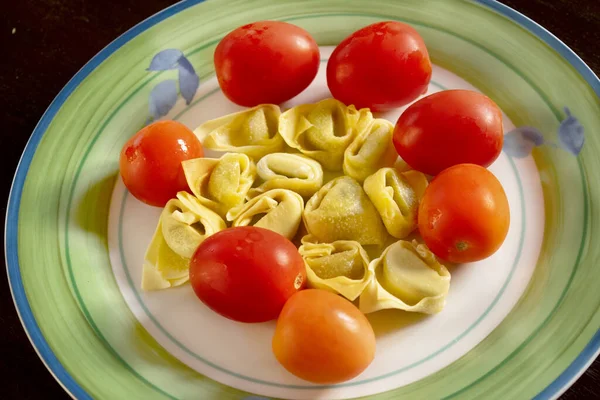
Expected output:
{"points": [[417, 180], [220, 184], [372, 201], [184, 224], [408, 277], [295, 172], [371, 150], [323, 130], [341, 210], [279, 210], [163, 268], [395, 200], [340, 267], [253, 132]]}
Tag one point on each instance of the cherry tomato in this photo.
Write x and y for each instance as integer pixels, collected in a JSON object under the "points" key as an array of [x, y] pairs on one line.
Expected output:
{"points": [[464, 214], [381, 66], [247, 273], [448, 128], [323, 338], [266, 62], [150, 161]]}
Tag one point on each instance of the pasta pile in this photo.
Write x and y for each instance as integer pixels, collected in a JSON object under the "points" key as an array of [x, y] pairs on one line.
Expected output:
{"points": [[273, 174]]}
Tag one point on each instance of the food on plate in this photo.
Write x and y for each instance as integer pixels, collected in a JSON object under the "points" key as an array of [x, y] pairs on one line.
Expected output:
{"points": [[464, 215], [222, 183], [381, 66], [417, 181], [279, 210], [341, 267], [246, 273], [265, 62], [322, 130], [323, 338], [231, 237], [163, 268], [371, 149], [150, 161], [407, 276], [253, 132], [184, 223], [294, 172], [395, 200], [341, 210], [249, 271], [448, 128]]}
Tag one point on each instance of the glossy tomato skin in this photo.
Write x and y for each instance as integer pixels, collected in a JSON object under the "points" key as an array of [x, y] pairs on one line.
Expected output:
{"points": [[150, 162], [266, 62], [381, 66], [464, 214], [323, 338], [247, 273], [448, 128]]}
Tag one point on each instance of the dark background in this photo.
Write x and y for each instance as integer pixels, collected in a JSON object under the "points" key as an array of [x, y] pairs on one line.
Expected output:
{"points": [[43, 43]]}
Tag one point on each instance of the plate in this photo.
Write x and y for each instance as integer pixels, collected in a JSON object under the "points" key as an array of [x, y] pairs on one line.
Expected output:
{"points": [[75, 238]]}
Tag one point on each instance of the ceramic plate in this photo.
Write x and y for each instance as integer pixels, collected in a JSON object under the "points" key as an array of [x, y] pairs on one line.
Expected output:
{"points": [[521, 324]]}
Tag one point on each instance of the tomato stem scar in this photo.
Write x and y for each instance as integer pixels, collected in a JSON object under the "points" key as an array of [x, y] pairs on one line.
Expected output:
{"points": [[462, 246]]}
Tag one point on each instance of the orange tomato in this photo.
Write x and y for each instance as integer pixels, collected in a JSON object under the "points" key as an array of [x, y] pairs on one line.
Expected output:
{"points": [[150, 161], [323, 338], [464, 214]]}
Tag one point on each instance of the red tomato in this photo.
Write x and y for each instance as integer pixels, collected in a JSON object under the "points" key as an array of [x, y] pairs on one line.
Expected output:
{"points": [[323, 338], [381, 66], [150, 161], [464, 214], [266, 62], [247, 273], [448, 128]]}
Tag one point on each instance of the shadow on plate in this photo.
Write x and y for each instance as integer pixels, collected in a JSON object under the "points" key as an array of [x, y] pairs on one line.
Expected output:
{"points": [[92, 210], [389, 321]]}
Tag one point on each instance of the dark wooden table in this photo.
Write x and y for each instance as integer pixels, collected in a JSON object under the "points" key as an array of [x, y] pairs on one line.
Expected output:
{"points": [[43, 43]]}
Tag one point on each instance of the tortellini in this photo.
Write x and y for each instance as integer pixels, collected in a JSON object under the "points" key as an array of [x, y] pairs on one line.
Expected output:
{"points": [[371, 205], [323, 130], [220, 184], [253, 132], [295, 172], [408, 277], [417, 180], [279, 210], [184, 224], [395, 200], [371, 150], [340, 267], [341, 210]]}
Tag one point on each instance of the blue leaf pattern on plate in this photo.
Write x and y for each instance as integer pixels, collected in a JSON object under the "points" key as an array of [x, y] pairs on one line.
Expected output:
{"points": [[532, 134], [571, 134], [520, 142], [165, 60], [188, 80], [162, 98]]}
